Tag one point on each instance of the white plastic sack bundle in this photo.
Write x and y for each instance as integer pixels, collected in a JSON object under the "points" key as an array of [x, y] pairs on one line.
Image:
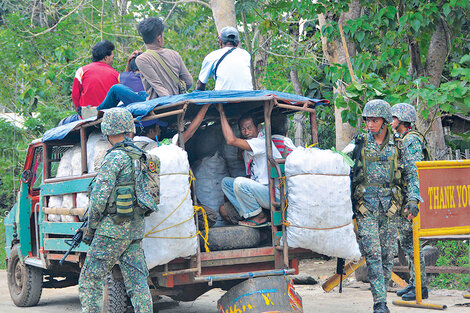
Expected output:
{"points": [[96, 147], [209, 173], [174, 187], [319, 197], [64, 169]]}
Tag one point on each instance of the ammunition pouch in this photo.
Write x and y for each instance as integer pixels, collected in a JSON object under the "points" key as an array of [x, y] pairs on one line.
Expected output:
{"points": [[392, 209], [396, 202]]}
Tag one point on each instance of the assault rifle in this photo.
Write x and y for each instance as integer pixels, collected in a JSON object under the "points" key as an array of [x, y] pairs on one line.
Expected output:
{"points": [[76, 239]]}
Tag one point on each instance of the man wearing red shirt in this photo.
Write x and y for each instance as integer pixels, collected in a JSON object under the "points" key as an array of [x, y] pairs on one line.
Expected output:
{"points": [[93, 81]]}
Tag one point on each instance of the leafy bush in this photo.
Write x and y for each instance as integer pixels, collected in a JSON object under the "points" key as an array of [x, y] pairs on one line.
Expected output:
{"points": [[451, 253]]}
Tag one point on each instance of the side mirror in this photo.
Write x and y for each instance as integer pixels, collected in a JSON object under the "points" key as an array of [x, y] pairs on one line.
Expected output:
{"points": [[26, 176]]}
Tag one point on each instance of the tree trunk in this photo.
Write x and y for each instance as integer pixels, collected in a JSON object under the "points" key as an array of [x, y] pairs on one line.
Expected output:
{"points": [[261, 57], [435, 60], [334, 52], [223, 12]]}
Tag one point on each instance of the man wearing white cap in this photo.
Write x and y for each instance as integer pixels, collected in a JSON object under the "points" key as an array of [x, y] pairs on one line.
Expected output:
{"points": [[229, 65]]}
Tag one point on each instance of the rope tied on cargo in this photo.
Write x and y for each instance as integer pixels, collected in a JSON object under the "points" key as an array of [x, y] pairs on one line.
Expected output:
{"points": [[196, 208], [320, 174], [283, 214]]}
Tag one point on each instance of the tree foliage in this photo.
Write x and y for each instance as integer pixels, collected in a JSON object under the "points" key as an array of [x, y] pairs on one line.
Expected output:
{"points": [[385, 36], [45, 41]]}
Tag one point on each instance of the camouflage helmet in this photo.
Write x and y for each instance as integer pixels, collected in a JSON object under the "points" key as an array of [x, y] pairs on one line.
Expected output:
{"points": [[378, 108], [404, 112], [117, 121]]}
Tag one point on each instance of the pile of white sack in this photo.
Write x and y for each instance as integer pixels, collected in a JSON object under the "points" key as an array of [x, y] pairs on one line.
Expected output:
{"points": [[176, 206], [320, 208], [70, 165]]}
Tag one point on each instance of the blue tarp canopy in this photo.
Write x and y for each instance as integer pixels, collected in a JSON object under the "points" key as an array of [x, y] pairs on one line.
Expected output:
{"points": [[140, 109]]}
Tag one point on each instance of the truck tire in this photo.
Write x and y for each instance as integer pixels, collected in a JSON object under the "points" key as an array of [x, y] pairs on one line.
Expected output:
{"points": [[24, 281], [115, 297], [222, 238]]}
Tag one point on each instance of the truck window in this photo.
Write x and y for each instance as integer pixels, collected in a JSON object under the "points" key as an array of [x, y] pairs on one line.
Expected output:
{"points": [[37, 168]]}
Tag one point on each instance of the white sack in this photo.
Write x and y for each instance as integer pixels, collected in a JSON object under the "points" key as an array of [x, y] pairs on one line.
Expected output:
{"points": [[209, 173], [96, 147], [320, 201], [174, 186], [64, 169]]}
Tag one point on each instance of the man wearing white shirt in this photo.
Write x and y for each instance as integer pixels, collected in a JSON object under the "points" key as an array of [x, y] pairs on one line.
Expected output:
{"points": [[229, 65], [249, 196]]}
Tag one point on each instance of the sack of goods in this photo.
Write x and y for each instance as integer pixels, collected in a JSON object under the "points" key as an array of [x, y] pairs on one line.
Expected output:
{"points": [[70, 165], [209, 173], [319, 209], [170, 233]]}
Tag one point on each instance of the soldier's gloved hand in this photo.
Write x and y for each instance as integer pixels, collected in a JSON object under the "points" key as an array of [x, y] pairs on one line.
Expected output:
{"points": [[88, 235], [411, 209]]}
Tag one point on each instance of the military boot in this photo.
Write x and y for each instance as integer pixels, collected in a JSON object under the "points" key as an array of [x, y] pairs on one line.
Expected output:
{"points": [[411, 295], [405, 291], [381, 307]]}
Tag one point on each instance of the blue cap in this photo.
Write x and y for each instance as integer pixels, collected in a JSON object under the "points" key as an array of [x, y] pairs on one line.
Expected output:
{"points": [[151, 122], [229, 33]]}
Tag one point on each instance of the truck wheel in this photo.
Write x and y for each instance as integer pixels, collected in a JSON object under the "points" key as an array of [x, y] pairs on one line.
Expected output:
{"points": [[115, 297], [222, 238], [24, 281]]}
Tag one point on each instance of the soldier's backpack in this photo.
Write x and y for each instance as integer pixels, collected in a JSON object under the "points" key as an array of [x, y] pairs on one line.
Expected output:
{"points": [[426, 154], [146, 185]]}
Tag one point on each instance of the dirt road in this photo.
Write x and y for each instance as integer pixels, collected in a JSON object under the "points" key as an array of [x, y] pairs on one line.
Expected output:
{"points": [[356, 298]]}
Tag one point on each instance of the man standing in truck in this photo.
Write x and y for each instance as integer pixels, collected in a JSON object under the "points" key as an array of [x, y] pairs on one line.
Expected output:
{"points": [[116, 212], [249, 196]]}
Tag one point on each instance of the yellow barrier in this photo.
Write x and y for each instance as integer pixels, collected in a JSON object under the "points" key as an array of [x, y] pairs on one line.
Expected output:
{"points": [[445, 188]]}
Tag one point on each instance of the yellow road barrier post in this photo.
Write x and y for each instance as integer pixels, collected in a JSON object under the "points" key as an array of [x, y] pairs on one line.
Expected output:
{"points": [[445, 188]]}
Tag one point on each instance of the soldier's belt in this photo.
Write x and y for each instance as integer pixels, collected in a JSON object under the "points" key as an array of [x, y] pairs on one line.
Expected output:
{"points": [[384, 185]]}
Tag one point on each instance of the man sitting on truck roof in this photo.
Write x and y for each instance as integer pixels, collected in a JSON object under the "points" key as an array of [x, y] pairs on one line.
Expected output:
{"points": [[229, 65], [249, 196], [158, 65], [93, 81]]}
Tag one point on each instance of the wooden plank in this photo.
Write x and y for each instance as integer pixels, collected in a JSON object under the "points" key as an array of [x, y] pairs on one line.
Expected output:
{"points": [[237, 261], [277, 218], [60, 228], [436, 269], [58, 244], [274, 173], [239, 253], [59, 188]]}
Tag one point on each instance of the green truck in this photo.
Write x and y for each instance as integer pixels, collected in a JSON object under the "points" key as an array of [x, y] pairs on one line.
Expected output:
{"points": [[35, 244]]}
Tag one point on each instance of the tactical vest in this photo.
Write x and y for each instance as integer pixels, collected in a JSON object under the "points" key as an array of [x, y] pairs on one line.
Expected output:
{"points": [[123, 202], [360, 176], [400, 141]]}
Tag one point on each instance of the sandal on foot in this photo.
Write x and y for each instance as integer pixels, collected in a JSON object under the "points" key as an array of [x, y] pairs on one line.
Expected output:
{"points": [[253, 224]]}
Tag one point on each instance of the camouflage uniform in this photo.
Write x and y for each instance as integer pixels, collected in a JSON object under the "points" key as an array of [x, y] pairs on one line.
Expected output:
{"points": [[411, 148], [115, 241], [376, 191]]}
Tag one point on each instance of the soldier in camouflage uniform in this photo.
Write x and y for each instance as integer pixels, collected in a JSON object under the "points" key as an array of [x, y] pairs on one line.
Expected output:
{"points": [[411, 146], [377, 197], [116, 221]]}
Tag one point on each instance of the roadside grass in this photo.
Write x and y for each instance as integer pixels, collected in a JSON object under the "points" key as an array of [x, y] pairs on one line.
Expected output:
{"points": [[2, 247], [451, 253]]}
